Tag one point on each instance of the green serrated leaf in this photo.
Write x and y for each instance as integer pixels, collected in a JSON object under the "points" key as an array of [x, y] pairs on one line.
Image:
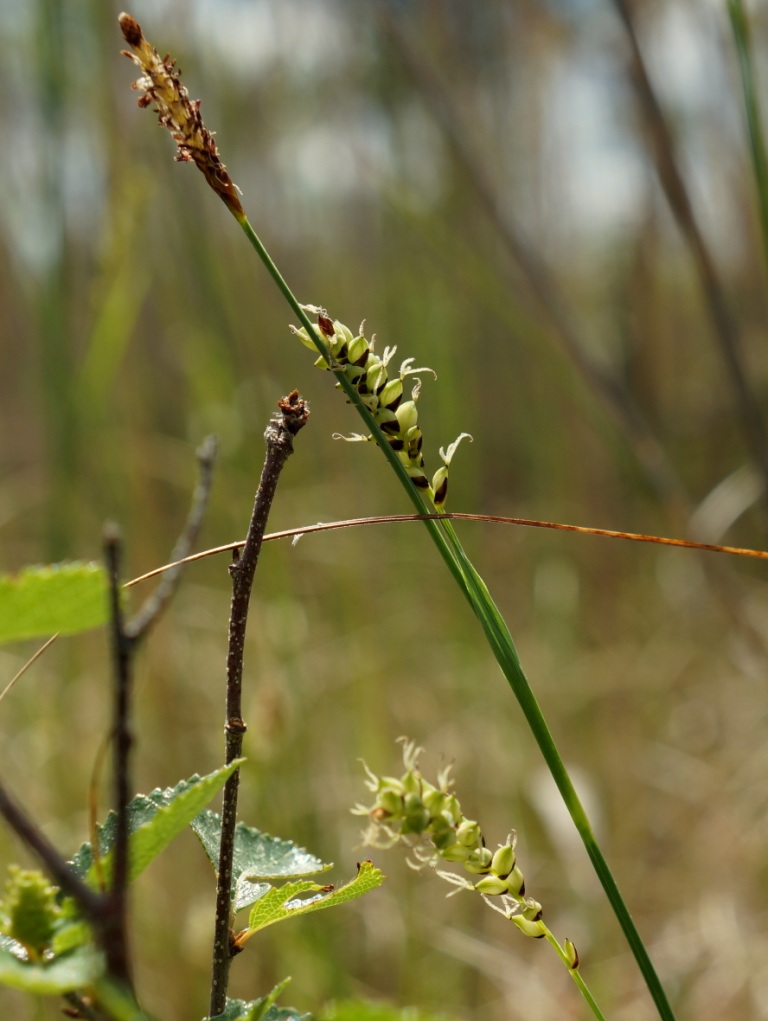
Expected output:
{"points": [[40, 601], [51, 978], [262, 1009], [154, 819], [257, 857], [287, 901], [239, 1010], [368, 1010]]}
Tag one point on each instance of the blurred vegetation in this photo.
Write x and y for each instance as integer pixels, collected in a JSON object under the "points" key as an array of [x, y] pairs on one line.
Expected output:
{"points": [[385, 153]]}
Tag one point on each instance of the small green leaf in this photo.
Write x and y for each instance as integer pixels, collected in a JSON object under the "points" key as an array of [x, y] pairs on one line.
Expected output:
{"points": [[257, 856], [29, 911], [154, 819], [53, 977], [58, 597], [287, 901]]}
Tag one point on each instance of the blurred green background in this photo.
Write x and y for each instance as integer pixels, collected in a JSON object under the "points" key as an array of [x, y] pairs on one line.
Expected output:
{"points": [[475, 181]]}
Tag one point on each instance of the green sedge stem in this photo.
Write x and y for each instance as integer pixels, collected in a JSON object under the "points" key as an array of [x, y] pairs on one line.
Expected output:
{"points": [[499, 638], [575, 975], [354, 398], [741, 34]]}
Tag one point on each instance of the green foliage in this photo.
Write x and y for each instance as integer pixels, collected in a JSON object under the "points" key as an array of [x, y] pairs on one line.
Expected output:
{"points": [[154, 820], [257, 857], [29, 911], [49, 978], [288, 901], [263, 1009], [64, 598]]}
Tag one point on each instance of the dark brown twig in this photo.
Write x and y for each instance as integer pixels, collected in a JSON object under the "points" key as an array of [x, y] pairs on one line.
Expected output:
{"points": [[57, 868], [149, 612], [724, 325], [279, 440], [125, 637], [107, 911], [552, 306], [114, 922]]}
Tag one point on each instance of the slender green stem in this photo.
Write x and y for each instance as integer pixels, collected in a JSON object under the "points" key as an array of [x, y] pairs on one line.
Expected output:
{"points": [[741, 35], [575, 975], [499, 638]]}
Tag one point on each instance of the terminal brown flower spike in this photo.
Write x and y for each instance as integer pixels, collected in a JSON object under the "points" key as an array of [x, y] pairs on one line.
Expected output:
{"points": [[161, 84]]}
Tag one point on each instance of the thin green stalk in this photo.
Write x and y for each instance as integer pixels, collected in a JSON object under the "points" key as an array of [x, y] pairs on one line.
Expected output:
{"points": [[575, 975], [741, 35], [499, 639]]}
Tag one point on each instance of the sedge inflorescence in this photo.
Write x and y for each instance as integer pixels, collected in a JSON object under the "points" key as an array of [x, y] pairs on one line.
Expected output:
{"points": [[383, 396], [161, 84], [429, 819]]}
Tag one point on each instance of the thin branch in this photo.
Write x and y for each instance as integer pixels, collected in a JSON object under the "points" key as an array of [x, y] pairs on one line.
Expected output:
{"points": [[57, 868], [141, 622], [114, 923], [493, 519], [20, 673], [279, 440], [550, 301], [724, 325], [81, 1008]]}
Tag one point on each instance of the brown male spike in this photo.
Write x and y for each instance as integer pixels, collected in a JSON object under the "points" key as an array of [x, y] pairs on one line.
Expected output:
{"points": [[161, 84]]}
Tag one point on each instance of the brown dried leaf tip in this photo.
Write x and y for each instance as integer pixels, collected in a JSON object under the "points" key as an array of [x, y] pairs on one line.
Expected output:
{"points": [[161, 84]]}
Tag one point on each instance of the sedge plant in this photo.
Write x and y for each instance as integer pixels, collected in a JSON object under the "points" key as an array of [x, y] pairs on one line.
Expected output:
{"points": [[392, 425]]}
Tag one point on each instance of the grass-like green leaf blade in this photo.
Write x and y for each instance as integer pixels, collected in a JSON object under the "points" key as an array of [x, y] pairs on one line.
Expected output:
{"points": [[61, 975], [39, 601], [154, 819], [257, 857], [288, 901]]}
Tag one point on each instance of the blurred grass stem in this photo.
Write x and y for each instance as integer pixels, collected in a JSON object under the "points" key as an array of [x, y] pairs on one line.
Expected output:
{"points": [[724, 325], [550, 302], [742, 38]]}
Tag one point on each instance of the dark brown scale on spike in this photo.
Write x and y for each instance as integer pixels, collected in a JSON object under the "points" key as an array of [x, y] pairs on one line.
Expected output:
{"points": [[441, 493], [414, 449], [397, 444], [394, 404], [326, 325], [420, 481]]}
